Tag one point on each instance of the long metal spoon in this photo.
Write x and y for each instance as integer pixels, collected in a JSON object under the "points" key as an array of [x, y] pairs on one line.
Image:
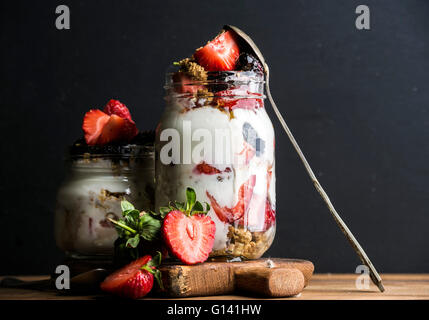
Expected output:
{"points": [[375, 277]]}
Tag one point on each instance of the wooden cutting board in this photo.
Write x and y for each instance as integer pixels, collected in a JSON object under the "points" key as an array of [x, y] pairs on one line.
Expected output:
{"points": [[266, 277]]}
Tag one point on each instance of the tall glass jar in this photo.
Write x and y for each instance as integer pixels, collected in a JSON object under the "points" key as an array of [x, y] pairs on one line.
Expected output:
{"points": [[98, 179], [216, 137]]}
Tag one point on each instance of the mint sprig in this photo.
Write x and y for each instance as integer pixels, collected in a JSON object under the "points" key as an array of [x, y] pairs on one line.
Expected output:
{"points": [[136, 229]]}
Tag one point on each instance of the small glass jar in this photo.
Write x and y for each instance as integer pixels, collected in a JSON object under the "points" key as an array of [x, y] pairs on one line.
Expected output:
{"points": [[216, 137], [98, 179]]}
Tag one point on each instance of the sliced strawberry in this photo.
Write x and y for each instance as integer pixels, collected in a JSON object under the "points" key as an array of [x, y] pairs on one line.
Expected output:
{"points": [[220, 54], [270, 215], [229, 215], [117, 129], [132, 281], [118, 108], [248, 152], [129, 130], [245, 194], [261, 215], [204, 168], [234, 99], [184, 84], [189, 238], [269, 177], [225, 214], [93, 124]]}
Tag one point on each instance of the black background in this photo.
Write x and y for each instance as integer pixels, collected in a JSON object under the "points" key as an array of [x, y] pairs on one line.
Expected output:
{"points": [[357, 101]]}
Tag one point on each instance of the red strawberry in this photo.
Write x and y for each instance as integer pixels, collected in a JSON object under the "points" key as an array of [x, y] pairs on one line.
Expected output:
{"points": [[188, 232], [204, 168], [232, 99], [117, 129], [135, 280], [245, 194], [270, 215], [93, 123], [112, 130], [220, 54], [189, 238], [118, 108], [229, 215]]}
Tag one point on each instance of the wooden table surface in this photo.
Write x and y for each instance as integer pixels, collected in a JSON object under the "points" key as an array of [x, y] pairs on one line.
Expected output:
{"points": [[321, 287]]}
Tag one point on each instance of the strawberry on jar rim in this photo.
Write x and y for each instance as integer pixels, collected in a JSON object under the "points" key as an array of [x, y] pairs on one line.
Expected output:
{"points": [[220, 54]]}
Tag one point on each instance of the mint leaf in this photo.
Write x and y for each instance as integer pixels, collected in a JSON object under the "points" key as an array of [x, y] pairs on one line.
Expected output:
{"points": [[132, 213], [133, 242], [125, 206], [149, 227]]}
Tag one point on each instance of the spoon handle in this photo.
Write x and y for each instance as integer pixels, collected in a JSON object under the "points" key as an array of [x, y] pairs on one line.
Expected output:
{"points": [[375, 277]]}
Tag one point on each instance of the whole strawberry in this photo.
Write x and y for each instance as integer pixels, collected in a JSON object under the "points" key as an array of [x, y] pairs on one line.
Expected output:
{"points": [[188, 231], [135, 280]]}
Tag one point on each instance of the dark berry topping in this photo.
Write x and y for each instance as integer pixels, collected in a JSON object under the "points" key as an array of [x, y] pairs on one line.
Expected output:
{"points": [[248, 62]]}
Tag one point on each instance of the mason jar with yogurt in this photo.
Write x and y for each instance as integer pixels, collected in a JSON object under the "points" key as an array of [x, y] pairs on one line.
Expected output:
{"points": [[216, 137], [98, 179]]}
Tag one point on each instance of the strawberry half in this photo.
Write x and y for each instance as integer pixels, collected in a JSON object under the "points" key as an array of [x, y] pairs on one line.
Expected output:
{"points": [[135, 280], [118, 108], [188, 232], [220, 54], [93, 124]]}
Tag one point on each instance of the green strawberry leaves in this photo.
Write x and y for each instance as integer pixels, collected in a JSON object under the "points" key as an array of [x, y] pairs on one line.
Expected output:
{"points": [[191, 198], [152, 266], [126, 206], [149, 226], [191, 207]]}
